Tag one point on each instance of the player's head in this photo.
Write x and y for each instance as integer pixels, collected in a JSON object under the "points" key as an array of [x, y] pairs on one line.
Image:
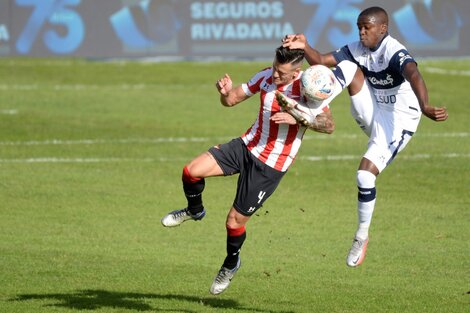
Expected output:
{"points": [[373, 26], [287, 65]]}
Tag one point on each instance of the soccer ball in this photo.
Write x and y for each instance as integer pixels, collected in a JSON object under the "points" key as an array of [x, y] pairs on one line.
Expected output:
{"points": [[317, 83]]}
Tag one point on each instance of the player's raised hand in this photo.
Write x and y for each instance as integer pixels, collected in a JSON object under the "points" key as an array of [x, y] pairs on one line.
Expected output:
{"points": [[224, 85], [294, 41], [438, 114]]}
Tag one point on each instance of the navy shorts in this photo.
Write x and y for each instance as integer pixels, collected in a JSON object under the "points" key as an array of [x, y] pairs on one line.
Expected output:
{"points": [[256, 181]]}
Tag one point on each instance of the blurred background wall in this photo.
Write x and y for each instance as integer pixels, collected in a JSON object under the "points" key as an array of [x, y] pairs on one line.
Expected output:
{"points": [[220, 28]]}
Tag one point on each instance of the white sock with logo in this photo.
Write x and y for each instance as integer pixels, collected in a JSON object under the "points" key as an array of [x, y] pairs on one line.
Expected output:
{"points": [[365, 203]]}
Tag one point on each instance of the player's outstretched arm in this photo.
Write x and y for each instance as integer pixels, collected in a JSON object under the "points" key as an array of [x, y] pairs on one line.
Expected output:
{"points": [[299, 41], [229, 96], [412, 74]]}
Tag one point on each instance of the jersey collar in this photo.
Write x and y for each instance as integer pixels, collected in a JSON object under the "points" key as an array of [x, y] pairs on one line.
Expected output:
{"points": [[379, 44]]}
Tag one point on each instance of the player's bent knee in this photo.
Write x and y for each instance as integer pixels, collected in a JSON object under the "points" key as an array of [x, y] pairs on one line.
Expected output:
{"points": [[235, 219], [187, 177], [365, 179]]}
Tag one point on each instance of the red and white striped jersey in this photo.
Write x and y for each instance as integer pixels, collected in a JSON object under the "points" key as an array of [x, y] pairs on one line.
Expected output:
{"points": [[276, 145]]}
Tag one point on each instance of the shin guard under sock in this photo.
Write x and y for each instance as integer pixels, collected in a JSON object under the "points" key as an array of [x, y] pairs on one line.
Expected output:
{"points": [[193, 187], [365, 202], [235, 239]]}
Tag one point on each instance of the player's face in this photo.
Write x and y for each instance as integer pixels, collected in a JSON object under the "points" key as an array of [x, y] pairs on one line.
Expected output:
{"points": [[370, 30], [284, 74]]}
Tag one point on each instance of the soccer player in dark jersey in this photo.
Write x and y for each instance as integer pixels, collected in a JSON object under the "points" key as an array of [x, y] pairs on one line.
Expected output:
{"points": [[388, 96]]}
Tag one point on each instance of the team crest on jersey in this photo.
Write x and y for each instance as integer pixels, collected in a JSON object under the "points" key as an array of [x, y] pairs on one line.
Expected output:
{"points": [[364, 53], [381, 60]]}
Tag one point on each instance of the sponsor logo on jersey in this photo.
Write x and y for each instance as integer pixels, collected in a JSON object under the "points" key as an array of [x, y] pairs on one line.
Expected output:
{"points": [[382, 82]]}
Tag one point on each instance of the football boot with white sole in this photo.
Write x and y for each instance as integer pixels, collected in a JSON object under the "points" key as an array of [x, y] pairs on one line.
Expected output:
{"points": [[358, 252], [177, 217], [223, 279]]}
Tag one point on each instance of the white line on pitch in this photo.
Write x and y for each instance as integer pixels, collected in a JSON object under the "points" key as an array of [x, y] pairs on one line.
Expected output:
{"points": [[407, 157], [436, 70], [191, 139], [73, 87], [168, 159], [9, 112], [103, 141], [81, 87], [83, 160]]}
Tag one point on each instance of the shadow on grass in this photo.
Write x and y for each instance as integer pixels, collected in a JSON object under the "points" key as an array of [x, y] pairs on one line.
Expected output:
{"points": [[97, 299]]}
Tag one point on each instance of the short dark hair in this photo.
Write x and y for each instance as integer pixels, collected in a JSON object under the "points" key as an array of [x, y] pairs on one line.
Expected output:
{"points": [[376, 11], [286, 55]]}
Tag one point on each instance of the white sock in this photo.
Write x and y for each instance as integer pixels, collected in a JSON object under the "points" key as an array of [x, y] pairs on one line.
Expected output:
{"points": [[365, 203]]}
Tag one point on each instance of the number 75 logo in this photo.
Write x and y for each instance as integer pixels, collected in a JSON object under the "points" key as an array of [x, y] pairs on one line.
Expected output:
{"points": [[47, 13]]}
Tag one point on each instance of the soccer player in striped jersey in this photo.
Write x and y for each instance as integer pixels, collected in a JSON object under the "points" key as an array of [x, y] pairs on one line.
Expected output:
{"points": [[388, 96], [261, 156]]}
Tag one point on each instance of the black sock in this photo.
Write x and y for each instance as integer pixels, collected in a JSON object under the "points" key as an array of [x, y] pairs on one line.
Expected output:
{"points": [[193, 193], [234, 244]]}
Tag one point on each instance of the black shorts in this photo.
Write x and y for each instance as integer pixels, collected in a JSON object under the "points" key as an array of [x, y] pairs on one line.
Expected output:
{"points": [[256, 182]]}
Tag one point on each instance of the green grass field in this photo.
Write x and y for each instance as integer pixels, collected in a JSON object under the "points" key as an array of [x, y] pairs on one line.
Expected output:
{"points": [[91, 155]]}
